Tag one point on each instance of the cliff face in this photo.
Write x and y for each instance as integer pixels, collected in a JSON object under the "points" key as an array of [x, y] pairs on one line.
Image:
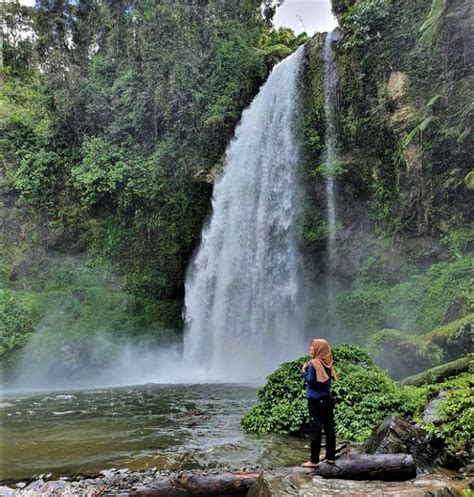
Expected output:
{"points": [[96, 215], [403, 164]]}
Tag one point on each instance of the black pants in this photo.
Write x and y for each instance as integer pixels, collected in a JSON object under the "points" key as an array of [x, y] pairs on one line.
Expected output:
{"points": [[321, 414]]}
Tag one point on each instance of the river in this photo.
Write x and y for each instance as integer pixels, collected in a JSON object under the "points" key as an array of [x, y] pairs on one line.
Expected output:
{"points": [[137, 427]]}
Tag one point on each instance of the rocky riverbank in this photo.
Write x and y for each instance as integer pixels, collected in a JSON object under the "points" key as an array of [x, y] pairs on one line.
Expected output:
{"points": [[253, 481]]}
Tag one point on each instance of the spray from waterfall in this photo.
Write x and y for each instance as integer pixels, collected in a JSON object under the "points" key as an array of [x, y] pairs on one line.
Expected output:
{"points": [[245, 291]]}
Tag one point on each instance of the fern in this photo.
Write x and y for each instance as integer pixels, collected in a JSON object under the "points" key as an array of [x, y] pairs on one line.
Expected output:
{"points": [[432, 24], [418, 130]]}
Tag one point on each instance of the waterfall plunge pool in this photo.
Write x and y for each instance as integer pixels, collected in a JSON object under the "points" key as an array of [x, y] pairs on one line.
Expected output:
{"points": [[164, 426]]}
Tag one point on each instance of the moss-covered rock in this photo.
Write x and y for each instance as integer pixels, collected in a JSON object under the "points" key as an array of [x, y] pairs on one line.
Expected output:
{"points": [[455, 339]]}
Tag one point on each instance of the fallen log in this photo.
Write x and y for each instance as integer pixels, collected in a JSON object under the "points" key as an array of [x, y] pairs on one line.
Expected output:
{"points": [[440, 373], [354, 466]]}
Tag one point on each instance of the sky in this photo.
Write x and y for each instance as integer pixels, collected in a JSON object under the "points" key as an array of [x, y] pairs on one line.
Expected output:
{"points": [[306, 15], [300, 15]]}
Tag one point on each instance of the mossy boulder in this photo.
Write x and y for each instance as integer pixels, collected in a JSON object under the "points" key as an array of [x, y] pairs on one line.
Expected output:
{"points": [[364, 395], [455, 339]]}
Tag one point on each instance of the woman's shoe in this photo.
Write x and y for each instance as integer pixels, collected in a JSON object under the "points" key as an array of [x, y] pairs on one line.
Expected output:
{"points": [[330, 461], [310, 464]]}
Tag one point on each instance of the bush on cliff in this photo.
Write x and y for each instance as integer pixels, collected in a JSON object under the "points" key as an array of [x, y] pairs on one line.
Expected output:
{"points": [[364, 395]]}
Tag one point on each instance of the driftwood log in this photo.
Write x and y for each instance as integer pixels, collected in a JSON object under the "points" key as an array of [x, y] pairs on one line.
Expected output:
{"points": [[388, 467]]}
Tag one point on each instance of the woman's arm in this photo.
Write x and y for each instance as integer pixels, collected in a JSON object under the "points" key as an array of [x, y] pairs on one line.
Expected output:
{"points": [[310, 375]]}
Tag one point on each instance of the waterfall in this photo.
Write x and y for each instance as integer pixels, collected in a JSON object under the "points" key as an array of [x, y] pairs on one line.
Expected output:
{"points": [[330, 89], [244, 298]]}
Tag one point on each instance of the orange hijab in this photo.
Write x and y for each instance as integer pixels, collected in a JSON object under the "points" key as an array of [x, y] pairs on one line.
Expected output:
{"points": [[322, 359]]}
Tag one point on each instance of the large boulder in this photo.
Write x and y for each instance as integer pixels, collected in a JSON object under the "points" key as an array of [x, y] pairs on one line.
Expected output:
{"points": [[396, 435]]}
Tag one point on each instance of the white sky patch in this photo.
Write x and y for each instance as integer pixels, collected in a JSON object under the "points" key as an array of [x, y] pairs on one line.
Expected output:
{"points": [[306, 15], [29, 3]]}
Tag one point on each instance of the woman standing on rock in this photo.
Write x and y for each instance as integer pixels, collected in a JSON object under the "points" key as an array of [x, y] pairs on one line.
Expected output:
{"points": [[318, 375]]}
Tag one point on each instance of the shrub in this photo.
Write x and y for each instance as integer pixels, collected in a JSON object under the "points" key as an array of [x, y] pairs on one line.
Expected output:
{"points": [[16, 323], [364, 395], [454, 418]]}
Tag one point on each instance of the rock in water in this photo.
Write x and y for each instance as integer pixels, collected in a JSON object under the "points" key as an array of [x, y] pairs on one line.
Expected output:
{"points": [[395, 435]]}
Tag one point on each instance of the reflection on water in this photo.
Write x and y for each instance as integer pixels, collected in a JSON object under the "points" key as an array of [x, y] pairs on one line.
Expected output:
{"points": [[162, 426]]}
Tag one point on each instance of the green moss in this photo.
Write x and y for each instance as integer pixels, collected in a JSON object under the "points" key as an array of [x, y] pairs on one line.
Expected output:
{"points": [[361, 310]]}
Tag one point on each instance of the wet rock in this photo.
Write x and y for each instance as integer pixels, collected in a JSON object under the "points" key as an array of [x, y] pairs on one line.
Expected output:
{"points": [[396, 435], [34, 486], [271, 485], [431, 409], [54, 487], [6, 492]]}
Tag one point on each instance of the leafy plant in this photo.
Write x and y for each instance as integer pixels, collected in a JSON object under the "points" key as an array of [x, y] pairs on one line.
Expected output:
{"points": [[453, 421], [364, 394], [16, 322]]}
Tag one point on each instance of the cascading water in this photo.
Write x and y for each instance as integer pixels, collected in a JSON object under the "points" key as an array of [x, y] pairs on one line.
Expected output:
{"points": [[330, 89], [330, 93], [244, 300]]}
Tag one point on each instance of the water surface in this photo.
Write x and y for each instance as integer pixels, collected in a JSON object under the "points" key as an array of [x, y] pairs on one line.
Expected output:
{"points": [[138, 427]]}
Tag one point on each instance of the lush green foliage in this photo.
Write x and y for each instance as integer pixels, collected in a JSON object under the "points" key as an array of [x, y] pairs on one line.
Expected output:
{"points": [[402, 122], [16, 323], [364, 395], [115, 117], [418, 305], [82, 308], [454, 418], [281, 407], [377, 125]]}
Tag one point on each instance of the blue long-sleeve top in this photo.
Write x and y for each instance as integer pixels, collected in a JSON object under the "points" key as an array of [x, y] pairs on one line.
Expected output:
{"points": [[314, 388]]}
